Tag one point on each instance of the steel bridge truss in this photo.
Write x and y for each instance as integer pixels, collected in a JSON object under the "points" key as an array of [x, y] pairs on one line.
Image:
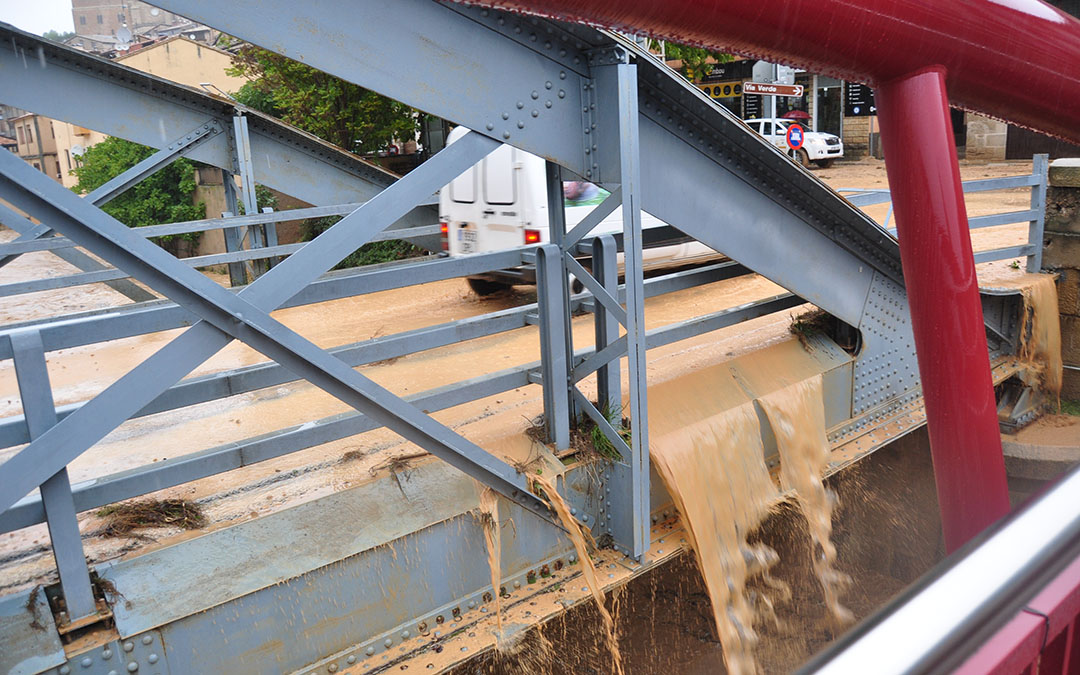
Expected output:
{"points": [[592, 103]]}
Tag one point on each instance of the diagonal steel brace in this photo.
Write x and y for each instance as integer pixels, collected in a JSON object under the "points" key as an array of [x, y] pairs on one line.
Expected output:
{"points": [[244, 316]]}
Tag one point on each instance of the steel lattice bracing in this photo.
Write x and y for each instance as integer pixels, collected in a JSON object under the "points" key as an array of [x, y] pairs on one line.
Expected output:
{"points": [[590, 102]]}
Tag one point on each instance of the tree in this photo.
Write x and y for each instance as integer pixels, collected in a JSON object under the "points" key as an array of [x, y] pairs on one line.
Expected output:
{"points": [[347, 115], [163, 197], [57, 36], [695, 60]]}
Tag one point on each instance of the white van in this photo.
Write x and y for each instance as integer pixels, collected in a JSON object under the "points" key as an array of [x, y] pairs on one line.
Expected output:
{"points": [[818, 147], [501, 203]]}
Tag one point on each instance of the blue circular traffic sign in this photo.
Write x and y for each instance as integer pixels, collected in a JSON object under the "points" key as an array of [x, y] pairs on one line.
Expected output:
{"points": [[795, 136]]}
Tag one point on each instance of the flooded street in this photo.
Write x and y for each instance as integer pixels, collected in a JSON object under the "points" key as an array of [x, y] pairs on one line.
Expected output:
{"points": [[664, 621]]}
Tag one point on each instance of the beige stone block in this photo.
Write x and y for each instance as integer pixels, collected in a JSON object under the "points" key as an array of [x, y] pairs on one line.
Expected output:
{"points": [[1061, 250], [1068, 290], [1063, 210], [1065, 172]]}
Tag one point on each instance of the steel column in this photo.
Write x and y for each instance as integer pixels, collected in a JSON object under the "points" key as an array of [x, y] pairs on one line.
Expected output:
{"points": [[556, 206], [946, 314], [233, 235], [606, 270], [554, 357], [40, 412], [1040, 168]]}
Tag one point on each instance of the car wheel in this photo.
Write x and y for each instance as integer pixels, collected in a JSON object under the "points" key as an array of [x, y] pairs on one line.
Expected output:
{"points": [[804, 158], [824, 163], [484, 287]]}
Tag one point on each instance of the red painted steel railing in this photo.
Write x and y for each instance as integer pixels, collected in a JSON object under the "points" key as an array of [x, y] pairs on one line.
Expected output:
{"points": [[1017, 60]]}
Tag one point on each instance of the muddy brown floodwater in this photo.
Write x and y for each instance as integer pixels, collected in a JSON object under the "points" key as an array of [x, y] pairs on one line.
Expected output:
{"points": [[674, 625], [886, 531]]}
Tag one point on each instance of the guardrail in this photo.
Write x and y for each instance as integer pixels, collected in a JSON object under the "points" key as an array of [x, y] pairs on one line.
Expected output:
{"points": [[145, 318], [260, 247], [1035, 216]]}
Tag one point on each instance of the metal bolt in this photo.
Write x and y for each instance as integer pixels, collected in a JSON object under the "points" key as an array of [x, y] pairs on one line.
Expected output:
{"points": [[506, 134], [106, 653], [520, 105], [369, 651], [535, 95], [506, 115], [490, 126], [388, 642], [517, 584], [521, 125], [332, 668], [87, 662], [132, 667], [547, 104], [404, 635], [351, 660], [536, 113], [64, 670], [128, 646], [153, 658], [147, 639]]}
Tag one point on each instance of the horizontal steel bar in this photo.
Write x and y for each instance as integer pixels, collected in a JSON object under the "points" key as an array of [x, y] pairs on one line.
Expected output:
{"points": [[175, 471], [869, 197], [269, 374], [589, 361], [112, 324], [1003, 219], [678, 281], [83, 278], [190, 226], [1005, 253]]}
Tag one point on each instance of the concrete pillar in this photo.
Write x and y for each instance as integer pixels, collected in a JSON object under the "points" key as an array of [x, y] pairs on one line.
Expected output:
{"points": [[1061, 254]]}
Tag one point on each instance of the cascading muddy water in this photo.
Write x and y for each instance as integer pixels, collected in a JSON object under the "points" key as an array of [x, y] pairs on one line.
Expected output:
{"points": [[489, 519], [797, 416], [715, 472], [1042, 346], [577, 535]]}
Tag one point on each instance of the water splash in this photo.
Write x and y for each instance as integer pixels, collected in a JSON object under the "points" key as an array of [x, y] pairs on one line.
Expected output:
{"points": [[797, 416], [577, 536]]}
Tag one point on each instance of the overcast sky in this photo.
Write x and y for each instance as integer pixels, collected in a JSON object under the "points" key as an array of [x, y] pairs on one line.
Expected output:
{"points": [[38, 16]]}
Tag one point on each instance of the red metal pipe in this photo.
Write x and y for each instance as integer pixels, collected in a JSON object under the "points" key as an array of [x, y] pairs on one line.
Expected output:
{"points": [[1017, 60], [946, 313], [1013, 59]]}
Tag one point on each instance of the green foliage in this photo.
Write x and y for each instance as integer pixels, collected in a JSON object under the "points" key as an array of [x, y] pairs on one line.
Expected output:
{"points": [[695, 60], [163, 197], [337, 111], [368, 254], [1070, 407], [57, 36]]}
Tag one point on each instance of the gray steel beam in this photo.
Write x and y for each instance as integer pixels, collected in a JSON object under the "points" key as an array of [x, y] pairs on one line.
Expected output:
{"points": [[554, 357], [10, 218], [606, 270], [618, 92], [1041, 167], [36, 394], [39, 75], [175, 471], [244, 316], [516, 78]]}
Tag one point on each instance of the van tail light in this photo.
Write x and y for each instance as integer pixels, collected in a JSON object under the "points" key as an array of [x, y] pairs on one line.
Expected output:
{"points": [[532, 236], [444, 231]]}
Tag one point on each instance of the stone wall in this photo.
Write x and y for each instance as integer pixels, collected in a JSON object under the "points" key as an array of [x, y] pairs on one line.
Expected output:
{"points": [[857, 136], [985, 138], [1061, 254]]}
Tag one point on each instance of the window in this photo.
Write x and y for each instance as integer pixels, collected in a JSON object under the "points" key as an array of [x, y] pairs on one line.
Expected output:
{"points": [[499, 188], [19, 131], [52, 130], [120, 18], [67, 158], [82, 20], [463, 188], [29, 134], [37, 166], [99, 19], [766, 128]]}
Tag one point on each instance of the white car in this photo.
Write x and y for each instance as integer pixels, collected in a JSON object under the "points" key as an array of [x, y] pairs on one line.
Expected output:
{"points": [[818, 147]]}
